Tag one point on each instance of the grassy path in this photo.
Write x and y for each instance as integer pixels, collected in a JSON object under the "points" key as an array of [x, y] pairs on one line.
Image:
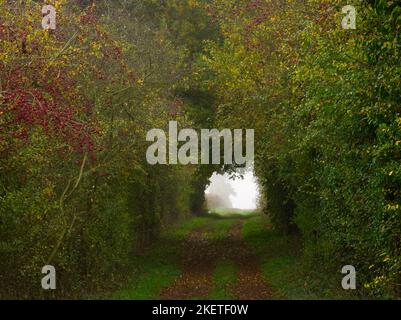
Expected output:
{"points": [[225, 256]]}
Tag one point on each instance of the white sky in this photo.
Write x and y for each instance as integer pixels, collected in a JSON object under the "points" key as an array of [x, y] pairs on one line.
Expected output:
{"points": [[246, 191]]}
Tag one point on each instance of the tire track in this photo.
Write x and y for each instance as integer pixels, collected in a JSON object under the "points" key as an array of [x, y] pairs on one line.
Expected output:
{"points": [[199, 256]]}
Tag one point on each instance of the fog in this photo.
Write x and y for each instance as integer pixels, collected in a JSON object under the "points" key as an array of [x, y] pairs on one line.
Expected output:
{"points": [[228, 193]]}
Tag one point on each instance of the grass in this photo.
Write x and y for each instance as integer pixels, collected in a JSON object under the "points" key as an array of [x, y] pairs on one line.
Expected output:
{"points": [[219, 228], [282, 265], [159, 273], [158, 267], [284, 269], [224, 277], [184, 228]]}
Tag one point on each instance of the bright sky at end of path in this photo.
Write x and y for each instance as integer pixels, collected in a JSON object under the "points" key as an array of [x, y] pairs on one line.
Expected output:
{"points": [[246, 191]]}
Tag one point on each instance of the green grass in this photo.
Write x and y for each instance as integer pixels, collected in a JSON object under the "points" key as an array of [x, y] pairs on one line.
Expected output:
{"points": [[224, 277], [184, 228], [284, 269], [219, 228], [159, 273], [282, 265], [159, 267]]}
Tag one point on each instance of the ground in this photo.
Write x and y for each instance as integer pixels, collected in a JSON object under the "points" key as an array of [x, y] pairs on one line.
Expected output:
{"points": [[227, 256]]}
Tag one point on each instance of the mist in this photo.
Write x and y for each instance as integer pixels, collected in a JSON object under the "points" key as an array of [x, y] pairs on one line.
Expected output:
{"points": [[224, 192]]}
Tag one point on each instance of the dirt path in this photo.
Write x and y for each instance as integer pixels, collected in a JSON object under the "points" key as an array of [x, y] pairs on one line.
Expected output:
{"points": [[200, 254], [197, 261], [250, 284]]}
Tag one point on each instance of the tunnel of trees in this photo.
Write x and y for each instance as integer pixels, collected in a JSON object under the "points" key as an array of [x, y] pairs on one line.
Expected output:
{"points": [[76, 103]]}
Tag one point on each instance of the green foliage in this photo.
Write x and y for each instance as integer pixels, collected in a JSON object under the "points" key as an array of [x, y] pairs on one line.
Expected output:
{"points": [[75, 188], [326, 112], [76, 104]]}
